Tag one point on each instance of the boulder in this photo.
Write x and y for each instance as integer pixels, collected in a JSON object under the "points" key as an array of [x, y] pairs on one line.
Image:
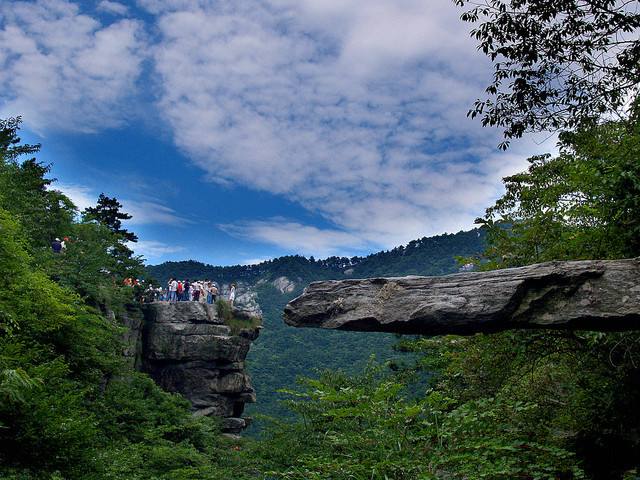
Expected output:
{"points": [[599, 295]]}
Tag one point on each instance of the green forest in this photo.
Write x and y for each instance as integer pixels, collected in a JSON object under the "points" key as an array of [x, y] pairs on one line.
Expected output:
{"points": [[514, 405]]}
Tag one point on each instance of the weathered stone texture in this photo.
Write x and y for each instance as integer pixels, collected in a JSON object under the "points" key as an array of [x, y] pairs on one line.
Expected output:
{"points": [[187, 349], [596, 295]]}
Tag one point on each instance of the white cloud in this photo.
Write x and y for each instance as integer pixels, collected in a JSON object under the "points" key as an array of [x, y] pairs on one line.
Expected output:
{"points": [[62, 69], [115, 8], [255, 261], [148, 212], [354, 108], [80, 195], [293, 236], [153, 250]]}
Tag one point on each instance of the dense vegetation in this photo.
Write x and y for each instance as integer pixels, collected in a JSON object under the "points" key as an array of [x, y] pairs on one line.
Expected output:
{"points": [[70, 406], [426, 256], [511, 405]]}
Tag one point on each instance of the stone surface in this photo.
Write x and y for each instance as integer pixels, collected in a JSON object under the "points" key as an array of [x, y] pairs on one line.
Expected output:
{"points": [[187, 349], [284, 285], [132, 319], [596, 295], [246, 302]]}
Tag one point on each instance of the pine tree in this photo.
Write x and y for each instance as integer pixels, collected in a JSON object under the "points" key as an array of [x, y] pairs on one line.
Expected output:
{"points": [[107, 212]]}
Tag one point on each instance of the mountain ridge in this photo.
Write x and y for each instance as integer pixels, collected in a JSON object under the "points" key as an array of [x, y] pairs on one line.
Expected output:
{"points": [[424, 256]]}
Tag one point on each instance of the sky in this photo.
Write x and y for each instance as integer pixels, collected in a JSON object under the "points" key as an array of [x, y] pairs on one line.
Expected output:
{"points": [[238, 131]]}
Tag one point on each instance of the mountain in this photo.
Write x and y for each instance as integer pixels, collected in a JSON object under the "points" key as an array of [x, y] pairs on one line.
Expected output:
{"points": [[426, 256], [283, 353]]}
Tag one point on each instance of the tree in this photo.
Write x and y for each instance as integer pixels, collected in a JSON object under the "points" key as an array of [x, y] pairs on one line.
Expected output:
{"points": [[584, 203], [557, 62], [581, 204], [26, 192], [107, 212], [10, 146]]}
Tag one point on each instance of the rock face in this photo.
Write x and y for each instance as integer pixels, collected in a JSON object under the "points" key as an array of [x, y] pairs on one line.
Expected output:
{"points": [[595, 295], [186, 348], [246, 299], [284, 285]]}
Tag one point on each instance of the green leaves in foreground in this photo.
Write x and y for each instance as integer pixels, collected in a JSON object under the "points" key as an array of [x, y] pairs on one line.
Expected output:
{"points": [[367, 427]]}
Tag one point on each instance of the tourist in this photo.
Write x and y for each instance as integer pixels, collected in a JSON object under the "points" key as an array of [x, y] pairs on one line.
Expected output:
{"points": [[56, 246], [202, 291], [207, 286], [173, 290], [232, 293]]}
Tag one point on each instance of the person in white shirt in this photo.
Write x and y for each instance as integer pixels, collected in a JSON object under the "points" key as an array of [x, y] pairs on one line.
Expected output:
{"points": [[173, 290], [232, 293]]}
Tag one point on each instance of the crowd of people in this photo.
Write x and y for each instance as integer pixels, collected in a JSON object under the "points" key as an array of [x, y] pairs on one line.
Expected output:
{"points": [[203, 291]]}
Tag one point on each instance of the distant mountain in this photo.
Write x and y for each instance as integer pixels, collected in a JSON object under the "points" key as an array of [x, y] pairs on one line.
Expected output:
{"points": [[283, 353], [426, 256]]}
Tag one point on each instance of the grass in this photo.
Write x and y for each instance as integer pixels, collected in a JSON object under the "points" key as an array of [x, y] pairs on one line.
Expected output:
{"points": [[225, 312]]}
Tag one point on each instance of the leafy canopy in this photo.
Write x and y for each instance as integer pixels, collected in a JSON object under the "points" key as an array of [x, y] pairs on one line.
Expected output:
{"points": [[556, 63], [108, 213], [582, 204]]}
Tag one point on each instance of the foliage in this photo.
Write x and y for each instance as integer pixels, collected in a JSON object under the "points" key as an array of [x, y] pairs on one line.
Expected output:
{"points": [[580, 204], [556, 63], [71, 407], [584, 203], [25, 192], [426, 256], [107, 212], [94, 264], [225, 312], [367, 426]]}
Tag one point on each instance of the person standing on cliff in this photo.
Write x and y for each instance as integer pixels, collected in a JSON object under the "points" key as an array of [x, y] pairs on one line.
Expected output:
{"points": [[232, 293], [173, 289], [214, 293]]}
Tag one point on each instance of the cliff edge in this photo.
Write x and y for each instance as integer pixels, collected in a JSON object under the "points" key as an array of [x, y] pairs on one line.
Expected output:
{"points": [[187, 348]]}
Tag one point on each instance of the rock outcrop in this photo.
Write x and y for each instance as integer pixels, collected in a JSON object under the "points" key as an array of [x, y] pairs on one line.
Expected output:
{"points": [[595, 295], [246, 299], [283, 285], [187, 348]]}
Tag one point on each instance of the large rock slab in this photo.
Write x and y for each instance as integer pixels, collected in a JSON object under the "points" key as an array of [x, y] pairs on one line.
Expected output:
{"points": [[187, 348], [599, 295]]}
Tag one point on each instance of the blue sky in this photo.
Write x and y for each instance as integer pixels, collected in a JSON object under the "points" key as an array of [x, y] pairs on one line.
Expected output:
{"points": [[236, 131]]}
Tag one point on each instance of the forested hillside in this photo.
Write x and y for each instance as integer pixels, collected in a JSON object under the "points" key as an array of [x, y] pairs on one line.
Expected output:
{"points": [[426, 256], [282, 353]]}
